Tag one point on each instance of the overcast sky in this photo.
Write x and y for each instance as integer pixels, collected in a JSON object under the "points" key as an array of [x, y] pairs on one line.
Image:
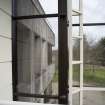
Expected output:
{"points": [[93, 12]]}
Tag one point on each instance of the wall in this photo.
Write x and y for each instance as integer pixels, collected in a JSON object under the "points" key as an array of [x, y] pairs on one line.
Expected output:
{"points": [[5, 51]]}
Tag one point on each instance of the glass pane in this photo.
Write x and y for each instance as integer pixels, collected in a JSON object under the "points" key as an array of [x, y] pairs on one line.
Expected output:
{"points": [[35, 65], [27, 9], [76, 99], [34, 7], [51, 90], [94, 98], [75, 31], [92, 13], [51, 101], [49, 6], [55, 77], [76, 49], [94, 75], [53, 23], [94, 56], [28, 99], [75, 20], [75, 4], [76, 75]]}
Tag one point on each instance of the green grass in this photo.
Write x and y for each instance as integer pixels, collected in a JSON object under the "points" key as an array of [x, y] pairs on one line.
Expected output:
{"points": [[96, 78]]}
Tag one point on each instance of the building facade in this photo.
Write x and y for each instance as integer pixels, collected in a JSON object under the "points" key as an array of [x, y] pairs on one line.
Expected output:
{"points": [[26, 50]]}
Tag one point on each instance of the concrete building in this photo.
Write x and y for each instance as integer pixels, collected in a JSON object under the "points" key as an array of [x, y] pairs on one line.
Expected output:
{"points": [[33, 50]]}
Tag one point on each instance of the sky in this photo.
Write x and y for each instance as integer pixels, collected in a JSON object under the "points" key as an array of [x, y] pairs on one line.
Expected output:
{"points": [[93, 11]]}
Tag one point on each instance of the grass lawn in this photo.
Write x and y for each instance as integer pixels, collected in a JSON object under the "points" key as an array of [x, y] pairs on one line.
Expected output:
{"points": [[96, 78]]}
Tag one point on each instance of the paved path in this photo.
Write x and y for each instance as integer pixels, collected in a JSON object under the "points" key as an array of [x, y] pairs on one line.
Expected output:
{"points": [[90, 97], [94, 98]]}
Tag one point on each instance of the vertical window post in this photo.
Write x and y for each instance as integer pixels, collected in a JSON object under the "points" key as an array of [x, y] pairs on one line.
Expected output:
{"points": [[14, 52], [63, 52]]}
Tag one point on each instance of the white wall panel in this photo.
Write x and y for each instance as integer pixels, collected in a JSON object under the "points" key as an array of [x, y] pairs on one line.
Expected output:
{"points": [[6, 5], [5, 24], [5, 49], [5, 74], [6, 92]]}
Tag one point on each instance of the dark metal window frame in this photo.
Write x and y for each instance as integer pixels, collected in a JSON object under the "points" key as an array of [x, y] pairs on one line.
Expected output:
{"points": [[63, 54], [14, 52]]}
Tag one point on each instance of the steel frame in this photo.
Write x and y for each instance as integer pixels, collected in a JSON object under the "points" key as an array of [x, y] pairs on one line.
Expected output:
{"points": [[14, 52], [38, 16], [37, 96], [90, 24], [63, 53]]}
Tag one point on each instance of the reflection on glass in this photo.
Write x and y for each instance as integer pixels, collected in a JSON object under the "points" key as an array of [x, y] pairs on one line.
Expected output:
{"points": [[76, 49], [51, 101], [76, 75]]}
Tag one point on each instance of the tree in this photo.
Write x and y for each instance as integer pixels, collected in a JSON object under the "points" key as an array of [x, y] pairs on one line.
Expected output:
{"points": [[87, 49], [99, 51], [76, 50]]}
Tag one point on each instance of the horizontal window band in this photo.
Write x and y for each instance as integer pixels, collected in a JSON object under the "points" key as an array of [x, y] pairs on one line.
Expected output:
{"points": [[52, 16], [38, 16], [37, 96], [90, 24]]}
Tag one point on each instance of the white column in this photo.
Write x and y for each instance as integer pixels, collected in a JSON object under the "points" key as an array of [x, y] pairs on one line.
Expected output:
{"points": [[69, 8], [81, 49]]}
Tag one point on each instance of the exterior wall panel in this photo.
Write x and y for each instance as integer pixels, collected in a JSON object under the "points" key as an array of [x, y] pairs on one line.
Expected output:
{"points": [[7, 89], [5, 50], [5, 24], [5, 5], [5, 75]]}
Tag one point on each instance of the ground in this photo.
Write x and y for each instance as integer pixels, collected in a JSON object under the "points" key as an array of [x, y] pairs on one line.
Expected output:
{"points": [[92, 77]]}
